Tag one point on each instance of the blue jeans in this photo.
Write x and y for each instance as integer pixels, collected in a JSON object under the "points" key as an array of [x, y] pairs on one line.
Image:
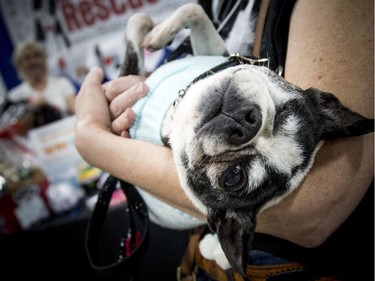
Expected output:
{"points": [[263, 258]]}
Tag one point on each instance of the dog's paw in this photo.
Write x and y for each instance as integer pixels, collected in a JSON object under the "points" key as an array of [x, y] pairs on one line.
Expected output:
{"points": [[159, 37], [210, 249], [138, 26]]}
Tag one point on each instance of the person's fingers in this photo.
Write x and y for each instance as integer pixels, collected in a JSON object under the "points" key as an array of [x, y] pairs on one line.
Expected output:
{"points": [[125, 134], [127, 99], [93, 78], [120, 85], [121, 124]]}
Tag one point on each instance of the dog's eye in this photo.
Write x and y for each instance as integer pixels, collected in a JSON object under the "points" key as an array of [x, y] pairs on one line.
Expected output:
{"points": [[233, 178]]}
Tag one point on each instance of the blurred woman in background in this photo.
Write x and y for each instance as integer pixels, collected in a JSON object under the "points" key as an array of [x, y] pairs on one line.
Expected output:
{"points": [[48, 97]]}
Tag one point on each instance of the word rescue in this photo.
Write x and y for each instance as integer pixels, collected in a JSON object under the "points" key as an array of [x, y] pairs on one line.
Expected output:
{"points": [[79, 14]]}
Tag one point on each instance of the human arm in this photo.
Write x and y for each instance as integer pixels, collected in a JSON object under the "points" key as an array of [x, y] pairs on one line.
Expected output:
{"points": [[331, 48], [141, 163], [326, 50]]}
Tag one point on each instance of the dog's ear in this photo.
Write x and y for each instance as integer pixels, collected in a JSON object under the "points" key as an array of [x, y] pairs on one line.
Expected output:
{"points": [[235, 232], [337, 119]]}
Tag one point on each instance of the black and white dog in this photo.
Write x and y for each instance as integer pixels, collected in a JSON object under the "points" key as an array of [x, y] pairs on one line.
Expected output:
{"points": [[243, 138]]}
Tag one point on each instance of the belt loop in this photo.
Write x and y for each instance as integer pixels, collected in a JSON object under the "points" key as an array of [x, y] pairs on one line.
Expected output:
{"points": [[229, 274]]}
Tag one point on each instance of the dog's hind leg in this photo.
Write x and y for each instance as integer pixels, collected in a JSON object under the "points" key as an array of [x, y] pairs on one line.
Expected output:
{"points": [[205, 40], [137, 27]]}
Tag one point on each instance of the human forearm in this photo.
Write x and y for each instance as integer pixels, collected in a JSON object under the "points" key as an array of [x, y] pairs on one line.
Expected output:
{"points": [[337, 182], [125, 159]]}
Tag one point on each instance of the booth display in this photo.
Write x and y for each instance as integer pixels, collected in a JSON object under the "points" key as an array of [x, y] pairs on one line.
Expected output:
{"points": [[43, 176]]}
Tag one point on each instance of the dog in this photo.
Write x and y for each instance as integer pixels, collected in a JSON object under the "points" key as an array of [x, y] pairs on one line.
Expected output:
{"points": [[242, 137]]}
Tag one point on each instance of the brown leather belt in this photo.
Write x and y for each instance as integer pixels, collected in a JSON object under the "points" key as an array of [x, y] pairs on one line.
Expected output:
{"points": [[193, 261]]}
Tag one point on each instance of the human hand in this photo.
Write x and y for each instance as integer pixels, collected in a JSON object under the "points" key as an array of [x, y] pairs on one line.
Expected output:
{"points": [[122, 93], [91, 105]]}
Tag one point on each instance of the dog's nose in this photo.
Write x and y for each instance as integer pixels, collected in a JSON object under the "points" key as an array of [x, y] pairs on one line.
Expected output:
{"points": [[233, 118], [242, 118], [235, 125], [241, 124]]}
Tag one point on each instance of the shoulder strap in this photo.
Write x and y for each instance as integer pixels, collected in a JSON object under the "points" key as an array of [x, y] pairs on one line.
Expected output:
{"points": [[261, 21], [133, 241], [276, 32]]}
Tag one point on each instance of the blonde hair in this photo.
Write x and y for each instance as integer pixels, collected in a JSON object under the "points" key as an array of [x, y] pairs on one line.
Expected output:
{"points": [[22, 49]]}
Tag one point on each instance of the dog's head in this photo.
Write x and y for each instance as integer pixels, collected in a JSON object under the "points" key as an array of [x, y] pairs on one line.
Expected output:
{"points": [[244, 138]]}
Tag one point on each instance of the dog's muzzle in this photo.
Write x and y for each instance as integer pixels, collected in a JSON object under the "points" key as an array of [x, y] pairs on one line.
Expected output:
{"points": [[236, 123], [227, 116]]}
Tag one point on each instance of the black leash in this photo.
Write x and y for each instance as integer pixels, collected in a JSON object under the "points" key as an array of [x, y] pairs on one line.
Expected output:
{"points": [[134, 241]]}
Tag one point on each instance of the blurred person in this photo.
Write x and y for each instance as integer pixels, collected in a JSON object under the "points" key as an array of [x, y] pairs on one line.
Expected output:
{"points": [[48, 97]]}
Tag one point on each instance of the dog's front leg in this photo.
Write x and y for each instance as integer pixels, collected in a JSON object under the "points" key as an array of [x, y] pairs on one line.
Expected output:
{"points": [[205, 40], [137, 27]]}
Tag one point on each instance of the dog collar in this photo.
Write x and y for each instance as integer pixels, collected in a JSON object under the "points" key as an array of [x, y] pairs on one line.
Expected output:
{"points": [[233, 60]]}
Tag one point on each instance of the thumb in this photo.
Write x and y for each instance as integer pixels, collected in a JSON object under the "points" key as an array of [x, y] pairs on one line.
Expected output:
{"points": [[94, 77]]}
